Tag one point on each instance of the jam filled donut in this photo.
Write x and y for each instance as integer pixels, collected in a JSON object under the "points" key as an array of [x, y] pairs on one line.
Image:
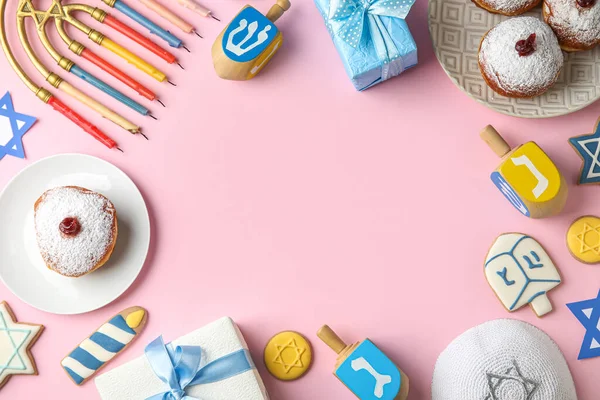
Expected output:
{"points": [[507, 7], [76, 230], [576, 23], [520, 57]]}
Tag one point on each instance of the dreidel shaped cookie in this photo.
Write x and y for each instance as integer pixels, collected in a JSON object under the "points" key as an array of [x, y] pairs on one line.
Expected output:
{"points": [[365, 369], [248, 43], [521, 272], [527, 177]]}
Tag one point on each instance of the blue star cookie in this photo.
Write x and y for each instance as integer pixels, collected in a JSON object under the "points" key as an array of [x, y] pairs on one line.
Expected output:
{"points": [[13, 126], [588, 148], [588, 314]]}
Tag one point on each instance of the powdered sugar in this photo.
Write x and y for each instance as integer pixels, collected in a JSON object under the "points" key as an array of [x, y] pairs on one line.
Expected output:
{"points": [[74, 256], [509, 6], [574, 23], [513, 73]]}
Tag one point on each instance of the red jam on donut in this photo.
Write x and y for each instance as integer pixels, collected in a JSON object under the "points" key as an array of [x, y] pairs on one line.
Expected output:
{"points": [[527, 47], [70, 226], [586, 3]]}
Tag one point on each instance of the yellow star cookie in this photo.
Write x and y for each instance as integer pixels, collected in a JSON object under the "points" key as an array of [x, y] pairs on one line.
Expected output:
{"points": [[583, 239], [288, 355]]}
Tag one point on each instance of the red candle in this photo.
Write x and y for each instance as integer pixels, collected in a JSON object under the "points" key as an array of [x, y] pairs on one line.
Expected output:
{"points": [[81, 122], [139, 38]]}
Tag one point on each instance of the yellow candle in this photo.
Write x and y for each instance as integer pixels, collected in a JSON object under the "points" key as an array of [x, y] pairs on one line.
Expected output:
{"points": [[133, 59]]}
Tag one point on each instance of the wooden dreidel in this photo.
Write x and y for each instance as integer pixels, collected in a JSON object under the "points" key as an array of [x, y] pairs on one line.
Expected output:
{"points": [[527, 177], [365, 370], [248, 43]]}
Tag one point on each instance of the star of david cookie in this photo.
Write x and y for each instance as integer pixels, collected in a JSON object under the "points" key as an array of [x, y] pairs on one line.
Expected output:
{"points": [[16, 340], [288, 355], [583, 239], [588, 314], [588, 148]]}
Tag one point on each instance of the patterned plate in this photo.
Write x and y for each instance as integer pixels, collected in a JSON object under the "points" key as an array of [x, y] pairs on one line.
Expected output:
{"points": [[456, 28]]}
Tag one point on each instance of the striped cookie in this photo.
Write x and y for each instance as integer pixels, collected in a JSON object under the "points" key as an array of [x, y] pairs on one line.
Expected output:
{"points": [[104, 344]]}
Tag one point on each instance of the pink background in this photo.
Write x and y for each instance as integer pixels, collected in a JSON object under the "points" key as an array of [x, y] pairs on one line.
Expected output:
{"points": [[291, 201]]}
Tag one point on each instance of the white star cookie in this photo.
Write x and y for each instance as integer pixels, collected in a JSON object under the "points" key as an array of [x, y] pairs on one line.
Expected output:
{"points": [[16, 340]]}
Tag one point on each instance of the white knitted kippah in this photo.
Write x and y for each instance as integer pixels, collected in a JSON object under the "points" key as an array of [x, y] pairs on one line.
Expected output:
{"points": [[504, 359]]}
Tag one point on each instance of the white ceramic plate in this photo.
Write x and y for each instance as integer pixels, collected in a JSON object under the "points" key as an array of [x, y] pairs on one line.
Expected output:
{"points": [[21, 266], [456, 28]]}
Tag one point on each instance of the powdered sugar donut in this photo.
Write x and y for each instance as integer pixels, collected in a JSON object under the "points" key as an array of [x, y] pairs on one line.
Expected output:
{"points": [[575, 22], [76, 229], [507, 7], [520, 57]]}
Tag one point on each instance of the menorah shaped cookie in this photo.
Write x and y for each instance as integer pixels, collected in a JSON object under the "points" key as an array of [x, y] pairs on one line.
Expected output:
{"points": [[527, 177], [365, 369], [248, 43]]}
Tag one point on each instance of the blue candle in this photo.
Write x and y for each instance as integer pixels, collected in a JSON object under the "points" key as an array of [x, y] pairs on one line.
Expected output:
{"points": [[106, 88], [146, 23]]}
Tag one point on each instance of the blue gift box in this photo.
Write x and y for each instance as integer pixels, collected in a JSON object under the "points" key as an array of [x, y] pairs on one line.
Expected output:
{"points": [[371, 37]]}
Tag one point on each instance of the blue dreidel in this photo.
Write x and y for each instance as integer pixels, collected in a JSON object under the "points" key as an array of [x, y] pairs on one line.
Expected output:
{"points": [[248, 43], [365, 369]]}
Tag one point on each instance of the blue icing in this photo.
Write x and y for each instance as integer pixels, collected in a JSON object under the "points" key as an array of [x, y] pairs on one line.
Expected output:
{"points": [[502, 274], [85, 358], [370, 374], [248, 35], [509, 193], [587, 147], [16, 345], [528, 280], [120, 323], [531, 264], [75, 377], [107, 342]]}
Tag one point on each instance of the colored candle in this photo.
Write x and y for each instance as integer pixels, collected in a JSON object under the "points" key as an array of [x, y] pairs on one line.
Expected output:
{"points": [[165, 35], [133, 59]]}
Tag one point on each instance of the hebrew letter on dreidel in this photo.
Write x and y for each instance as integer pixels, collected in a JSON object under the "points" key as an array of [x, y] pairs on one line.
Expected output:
{"points": [[380, 380], [527, 177], [542, 181]]}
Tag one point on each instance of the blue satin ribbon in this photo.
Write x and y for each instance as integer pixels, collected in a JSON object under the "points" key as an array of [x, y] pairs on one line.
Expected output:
{"points": [[179, 367], [348, 19]]}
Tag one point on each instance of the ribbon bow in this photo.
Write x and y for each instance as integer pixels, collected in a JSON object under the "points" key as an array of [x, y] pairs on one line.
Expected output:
{"points": [[179, 367], [351, 15], [347, 19]]}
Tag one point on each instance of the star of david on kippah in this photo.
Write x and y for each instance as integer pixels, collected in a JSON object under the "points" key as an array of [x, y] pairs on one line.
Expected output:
{"points": [[495, 381], [588, 147], [588, 314], [13, 126]]}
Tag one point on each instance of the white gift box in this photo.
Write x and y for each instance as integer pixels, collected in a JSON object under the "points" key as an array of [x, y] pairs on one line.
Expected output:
{"points": [[136, 380]]}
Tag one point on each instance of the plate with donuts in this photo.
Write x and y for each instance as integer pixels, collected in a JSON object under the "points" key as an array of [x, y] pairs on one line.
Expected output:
{"points": [[526, 58], [76, 232]]}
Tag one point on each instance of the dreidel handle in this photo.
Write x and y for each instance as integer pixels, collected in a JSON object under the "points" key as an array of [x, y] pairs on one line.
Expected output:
{"points": [[278, 9], [331, 339], [491, 136]]}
